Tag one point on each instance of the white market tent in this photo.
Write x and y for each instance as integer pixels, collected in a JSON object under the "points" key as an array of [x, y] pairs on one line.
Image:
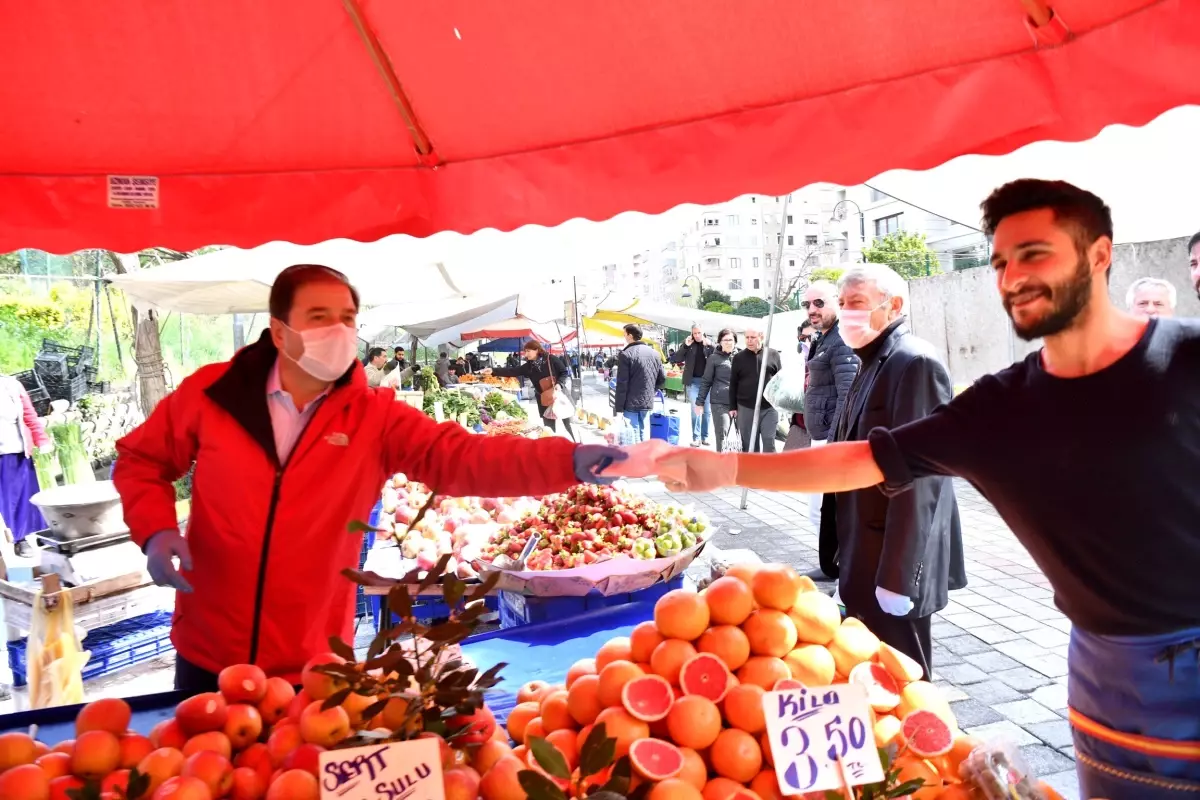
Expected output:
{"points": [[1146, 175], [616, 309]]}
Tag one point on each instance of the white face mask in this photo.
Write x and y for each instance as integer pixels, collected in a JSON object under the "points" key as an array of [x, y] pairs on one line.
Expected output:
{"points": [[856, 326], [328, 351]]}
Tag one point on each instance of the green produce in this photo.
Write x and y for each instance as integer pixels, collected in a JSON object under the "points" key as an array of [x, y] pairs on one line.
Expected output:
{"points": [[46, 467], [668, 544], [687, 537], [72, 455], [643, 549], [454, 405]]}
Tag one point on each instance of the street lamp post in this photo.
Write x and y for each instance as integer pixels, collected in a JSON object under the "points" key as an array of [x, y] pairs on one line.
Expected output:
{"points": [[699, 288], [839, 215]]}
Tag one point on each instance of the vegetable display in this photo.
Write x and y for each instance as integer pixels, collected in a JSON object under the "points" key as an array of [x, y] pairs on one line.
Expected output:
{"points": [[72, 455], [458, 406]]}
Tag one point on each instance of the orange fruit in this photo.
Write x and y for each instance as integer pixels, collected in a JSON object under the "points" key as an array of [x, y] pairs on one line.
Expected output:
{"points": [[674, 789], [694, 771], [583, 700], [1049, 791], [535, 728], [764, 742], [743, 706], [519, 718], [727, 642], [694, 722], [721, 789], [613, 679], [911, 769], [736, 755], [555, 713], [642, 641], [763, 671], [766, 785], [584, 666], [730, 601], [948, 764], [924, 695], [743, 572], [669, 657], [811, 664], [776, 586], [616, 649], [619, 724], [771, 632], [567, 742], [680, 614]]}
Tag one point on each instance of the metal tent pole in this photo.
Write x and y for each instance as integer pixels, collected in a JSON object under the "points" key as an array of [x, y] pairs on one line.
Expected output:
{"points": [[766, 345]]}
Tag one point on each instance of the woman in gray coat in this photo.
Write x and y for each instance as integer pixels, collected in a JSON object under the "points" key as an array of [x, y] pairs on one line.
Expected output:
{"points": [[714, 386]]}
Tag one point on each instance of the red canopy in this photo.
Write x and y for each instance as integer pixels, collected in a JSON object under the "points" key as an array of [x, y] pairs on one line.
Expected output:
{"points": [[244, 121]]}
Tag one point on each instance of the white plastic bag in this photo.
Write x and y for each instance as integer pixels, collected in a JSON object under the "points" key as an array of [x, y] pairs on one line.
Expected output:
{"points": [[733, 439], [786, 390], [562, 408]]}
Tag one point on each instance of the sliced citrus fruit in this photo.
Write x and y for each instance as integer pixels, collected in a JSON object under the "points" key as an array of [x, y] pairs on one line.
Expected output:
{"points": [[882, 692], [783, 684], [705, 675], [655, 760], [926, 734], [648, 698]]}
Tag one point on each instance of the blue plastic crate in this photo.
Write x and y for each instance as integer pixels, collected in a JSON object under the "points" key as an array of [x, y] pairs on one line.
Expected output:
{"points": [[518, 609], [112, 647]]}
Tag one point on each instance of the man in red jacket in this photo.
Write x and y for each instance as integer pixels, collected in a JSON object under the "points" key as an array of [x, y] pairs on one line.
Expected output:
{"points": [[289, 446]]}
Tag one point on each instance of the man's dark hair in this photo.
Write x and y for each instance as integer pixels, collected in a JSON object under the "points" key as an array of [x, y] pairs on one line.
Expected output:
{"points": [[288, 282], [374, 353], [1084, 214], [1195, 240], [399, 350], [634, 331]]}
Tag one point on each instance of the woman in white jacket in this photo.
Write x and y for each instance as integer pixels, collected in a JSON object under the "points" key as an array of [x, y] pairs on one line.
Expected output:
{"points": [[20, 432]]}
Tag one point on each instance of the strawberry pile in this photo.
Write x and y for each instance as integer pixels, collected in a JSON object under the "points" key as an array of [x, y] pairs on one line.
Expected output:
{"points": [[588, 523]]}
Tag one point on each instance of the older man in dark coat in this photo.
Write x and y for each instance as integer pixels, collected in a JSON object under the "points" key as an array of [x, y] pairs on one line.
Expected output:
{"points": [[899, 556]]}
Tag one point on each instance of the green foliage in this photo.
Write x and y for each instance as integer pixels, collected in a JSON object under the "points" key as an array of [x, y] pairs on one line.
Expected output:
{"points": [[753, 307], [906, 253], [713, 296], [719, 307], [830, 274]]}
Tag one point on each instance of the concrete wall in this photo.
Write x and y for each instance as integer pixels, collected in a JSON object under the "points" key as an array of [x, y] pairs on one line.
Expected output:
{"points": [[961, 314]]}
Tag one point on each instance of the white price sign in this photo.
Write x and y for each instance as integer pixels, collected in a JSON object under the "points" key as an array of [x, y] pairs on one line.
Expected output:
{"points": [[392, 771], [814, 728]]}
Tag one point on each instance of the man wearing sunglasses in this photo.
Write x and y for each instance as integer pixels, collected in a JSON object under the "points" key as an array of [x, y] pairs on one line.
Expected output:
{"points": [[831, 367]]}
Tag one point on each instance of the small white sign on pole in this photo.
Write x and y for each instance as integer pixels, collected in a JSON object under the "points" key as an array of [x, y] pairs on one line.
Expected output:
{"points": [[812, 729], [409, 770]]}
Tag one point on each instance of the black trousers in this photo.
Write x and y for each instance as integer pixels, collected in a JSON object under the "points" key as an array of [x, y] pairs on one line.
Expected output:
{"points": [[912, 636], [192, 679], [827, 544], [552, 424]]}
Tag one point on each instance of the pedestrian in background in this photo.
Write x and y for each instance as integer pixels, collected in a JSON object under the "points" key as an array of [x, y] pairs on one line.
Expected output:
{"points": [[640, 376], [714, 385], [20, 433], [1151, 297], [693, 355], [745, 392]]}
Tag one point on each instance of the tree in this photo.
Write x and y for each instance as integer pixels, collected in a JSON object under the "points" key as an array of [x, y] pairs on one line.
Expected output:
{"points": [[906, 253], [720, 308], [831, 274], [713, 296], [753, 307]]}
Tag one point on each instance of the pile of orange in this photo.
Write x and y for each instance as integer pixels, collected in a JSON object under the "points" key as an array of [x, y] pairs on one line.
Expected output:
{"points": [[767, 625]]}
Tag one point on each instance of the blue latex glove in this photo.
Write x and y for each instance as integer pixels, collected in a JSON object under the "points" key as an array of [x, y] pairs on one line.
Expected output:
{"points": [[592, 459], [160, 549], [897, 605]]}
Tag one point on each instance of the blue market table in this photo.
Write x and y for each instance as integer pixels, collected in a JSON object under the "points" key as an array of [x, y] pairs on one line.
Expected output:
{"points": [[542, 651]]}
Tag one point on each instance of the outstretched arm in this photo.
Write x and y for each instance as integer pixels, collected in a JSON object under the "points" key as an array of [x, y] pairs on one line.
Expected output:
{"points": [[839, 467]]}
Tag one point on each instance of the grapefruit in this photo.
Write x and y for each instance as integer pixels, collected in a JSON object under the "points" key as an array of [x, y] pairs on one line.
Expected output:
{"points": [[926, 734], [674, 789], [730, 601], [766, 785], [613, 678], [642, 641], [680, 614], [615, 649], [705, 675], [924, 695], [654, 759], [721, 789], [811, 664], [887, 730], [619, 724], [852, 645], [520, 717], [771, 632], [964, 745], [583, 700], [648, 698], [694, 771], [816, 617], [555, 713], [743, 572], [694, 722], [918, 769], [584, 666], [736, 755], [783, 684], [744, 708], [882, 692], [727, 642], [902, 667], [763, 671], [776, 586], [669, 657]]}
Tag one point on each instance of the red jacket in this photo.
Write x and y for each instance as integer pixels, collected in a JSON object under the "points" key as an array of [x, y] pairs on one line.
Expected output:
{"points": [[268, 542]]}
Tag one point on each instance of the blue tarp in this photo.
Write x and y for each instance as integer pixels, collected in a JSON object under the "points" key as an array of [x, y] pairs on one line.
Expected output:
{"points": [[512, 344]]}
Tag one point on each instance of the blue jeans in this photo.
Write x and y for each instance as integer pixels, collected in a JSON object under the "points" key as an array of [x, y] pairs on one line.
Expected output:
{"points": [[1143, 685], [638, 420], [700, 423]]}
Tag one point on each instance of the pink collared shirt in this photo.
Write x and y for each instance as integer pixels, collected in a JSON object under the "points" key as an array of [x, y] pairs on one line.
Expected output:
{"points": [[287, 422]]}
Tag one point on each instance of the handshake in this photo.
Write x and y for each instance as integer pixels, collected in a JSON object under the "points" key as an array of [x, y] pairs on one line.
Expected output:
{"points": [[682, 469]]}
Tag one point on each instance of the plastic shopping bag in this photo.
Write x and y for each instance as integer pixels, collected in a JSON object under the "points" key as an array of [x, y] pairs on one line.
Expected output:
{"points": [[561, 408], [733, 440], [786, 390], [54, 656]]}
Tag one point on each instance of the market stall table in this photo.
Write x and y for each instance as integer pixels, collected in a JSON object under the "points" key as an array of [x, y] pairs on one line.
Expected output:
{"points": [[533, 652]]}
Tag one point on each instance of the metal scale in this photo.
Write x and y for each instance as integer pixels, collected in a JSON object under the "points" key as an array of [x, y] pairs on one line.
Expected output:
{"points": [[90, 557]]}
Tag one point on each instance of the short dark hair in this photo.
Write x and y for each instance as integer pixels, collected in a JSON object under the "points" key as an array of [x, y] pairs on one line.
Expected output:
{"points": [[398, 350], [725, 331], [374, 353], [634, 331], [1084, 213], [1195, 240], [288, 282]]}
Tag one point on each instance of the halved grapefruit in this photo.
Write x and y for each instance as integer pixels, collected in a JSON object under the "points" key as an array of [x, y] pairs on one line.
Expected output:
{"points": [[882, 692], [926, 734], [648, 698], [655, 760], [783, 684], [706, 675]]}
